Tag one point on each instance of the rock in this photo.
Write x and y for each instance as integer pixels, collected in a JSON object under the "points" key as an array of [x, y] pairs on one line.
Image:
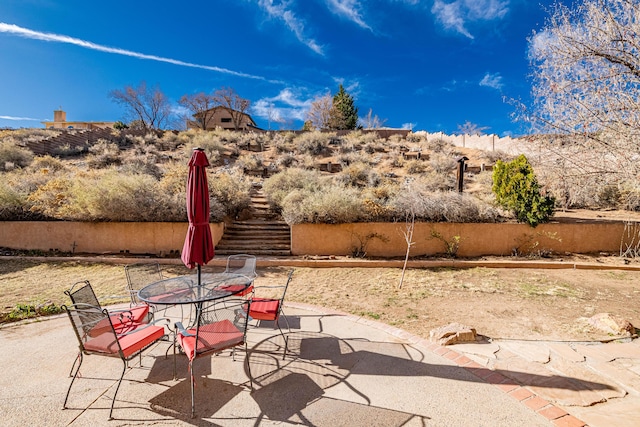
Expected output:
{"points": [[611, 324], [453, 333]]}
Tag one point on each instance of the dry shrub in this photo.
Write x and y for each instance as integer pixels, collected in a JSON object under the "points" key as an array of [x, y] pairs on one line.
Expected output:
{"points": [[359, 174], [13, 156], [12, 203], [103, 154], [213, 144], [329, 204], [449, 206], [231, 189], [414, 167], [277, 187], [249, 161], [442, 163], [314, 143], [47, 164]]}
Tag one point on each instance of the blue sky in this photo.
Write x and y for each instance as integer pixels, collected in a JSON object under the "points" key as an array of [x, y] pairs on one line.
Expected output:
{"points": [[426, 64]]}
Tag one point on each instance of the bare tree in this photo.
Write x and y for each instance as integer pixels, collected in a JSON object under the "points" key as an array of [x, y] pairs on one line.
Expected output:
{"points": [[148, 107], [586, 83], [319, 113], [468, 128], [200, 105], [372, 122], [237, 106]]}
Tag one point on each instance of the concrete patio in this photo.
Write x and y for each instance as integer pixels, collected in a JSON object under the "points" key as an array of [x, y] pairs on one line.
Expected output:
{"points": [[340, 370]]}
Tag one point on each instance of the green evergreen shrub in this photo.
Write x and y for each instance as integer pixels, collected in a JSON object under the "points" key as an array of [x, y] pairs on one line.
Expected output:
{"points": [[516, 189]]}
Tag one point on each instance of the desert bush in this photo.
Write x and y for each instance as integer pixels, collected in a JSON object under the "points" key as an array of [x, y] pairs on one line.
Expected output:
{"points": [[277, 187], [517, 189], [47, 164], [231, 189], [414, 167], [315, 143], [23, 136], [287, 160], [439, 145], [12, 156], [104, 154], [358, 174], [448, 206], [142, 158], [213, 144], [329, 204], [12, 203], [249, 161], [52, 197], [115, 196], [442, 163]]}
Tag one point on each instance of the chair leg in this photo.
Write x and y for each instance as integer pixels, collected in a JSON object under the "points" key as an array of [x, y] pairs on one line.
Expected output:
{"points": [[64, 405], [124, 369], [286, 339], [193, 400], [79, 356], [246, 357]]}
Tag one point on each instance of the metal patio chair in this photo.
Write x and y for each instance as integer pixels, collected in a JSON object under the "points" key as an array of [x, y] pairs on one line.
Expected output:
{"points": [[82, 293], [242, 264], [139, 276], [97, 335], [270, 308], [220, 325]]}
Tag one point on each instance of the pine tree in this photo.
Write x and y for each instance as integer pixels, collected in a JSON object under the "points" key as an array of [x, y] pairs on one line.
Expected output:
{"points": [[344, 114]]}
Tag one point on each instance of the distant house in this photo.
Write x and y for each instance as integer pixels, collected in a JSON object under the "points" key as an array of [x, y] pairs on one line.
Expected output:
{"points": [[221, 117], [60, 122]]}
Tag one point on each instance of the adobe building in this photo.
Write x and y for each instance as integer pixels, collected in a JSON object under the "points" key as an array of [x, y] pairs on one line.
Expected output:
{"points": [[60, 122], [220, 117]]}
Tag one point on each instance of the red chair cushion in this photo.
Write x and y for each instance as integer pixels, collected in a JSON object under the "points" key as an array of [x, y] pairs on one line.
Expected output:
{"points": [[212, 337], [240, 289], [264, 309], [122, 322], [130, 344]]}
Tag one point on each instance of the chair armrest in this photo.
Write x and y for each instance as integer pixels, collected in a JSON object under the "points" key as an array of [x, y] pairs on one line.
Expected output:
{"points": [[145, 326], [182, 331]]}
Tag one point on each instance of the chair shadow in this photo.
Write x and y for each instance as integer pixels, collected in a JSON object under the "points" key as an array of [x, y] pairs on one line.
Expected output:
{"points": [[318, 361], [212, 395]]}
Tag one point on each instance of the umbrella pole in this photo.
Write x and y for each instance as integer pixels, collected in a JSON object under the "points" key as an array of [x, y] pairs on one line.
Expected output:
{"points": [[199, 279]]}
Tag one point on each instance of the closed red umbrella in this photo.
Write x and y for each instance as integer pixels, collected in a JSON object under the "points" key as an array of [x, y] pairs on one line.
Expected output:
{"points": [[198, 245]]}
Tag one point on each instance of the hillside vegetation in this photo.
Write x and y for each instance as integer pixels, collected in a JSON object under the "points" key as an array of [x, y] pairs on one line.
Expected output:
{"points": [[307, 177]]}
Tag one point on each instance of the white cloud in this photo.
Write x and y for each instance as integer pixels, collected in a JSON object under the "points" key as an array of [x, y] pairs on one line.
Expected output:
{"points": [[349, 9], [295, 24], [20, 118], [409, 125], [59, 38], [285, 107], [493, 81], [457, 14]]}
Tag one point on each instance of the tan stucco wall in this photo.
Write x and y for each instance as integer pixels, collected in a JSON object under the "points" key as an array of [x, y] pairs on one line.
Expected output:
{"points": [[321, 239], [86, 237], [475, 239]]}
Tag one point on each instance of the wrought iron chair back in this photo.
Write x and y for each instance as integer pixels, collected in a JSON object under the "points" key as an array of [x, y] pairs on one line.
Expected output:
{"points": [[140, 275], [241, 264], [97, 335]]}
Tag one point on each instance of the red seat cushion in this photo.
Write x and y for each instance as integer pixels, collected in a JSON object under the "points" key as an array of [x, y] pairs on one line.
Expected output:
{"points": [[264, 309], [238, 290], [212, 337], [130, 344], [123, 322]]}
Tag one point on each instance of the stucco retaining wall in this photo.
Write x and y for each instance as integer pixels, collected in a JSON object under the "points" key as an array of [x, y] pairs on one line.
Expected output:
{"points": [[157, 238], [376, 239], [387, 240]]}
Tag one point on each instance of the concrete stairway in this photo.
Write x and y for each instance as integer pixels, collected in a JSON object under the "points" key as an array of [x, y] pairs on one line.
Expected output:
{"points": [[263, 233]]}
